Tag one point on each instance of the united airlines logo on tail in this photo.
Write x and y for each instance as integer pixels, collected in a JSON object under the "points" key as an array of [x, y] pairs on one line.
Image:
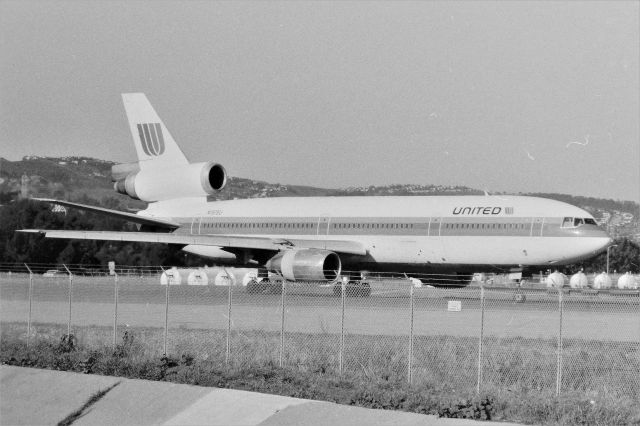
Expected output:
{"points": [[151, 138]]}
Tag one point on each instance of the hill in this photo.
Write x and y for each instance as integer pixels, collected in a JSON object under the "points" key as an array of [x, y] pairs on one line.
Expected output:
{"points": [[83, 178]]}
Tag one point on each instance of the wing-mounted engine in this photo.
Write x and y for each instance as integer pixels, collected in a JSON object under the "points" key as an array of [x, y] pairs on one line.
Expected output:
{"points": [[163, 183], [306, 265]]}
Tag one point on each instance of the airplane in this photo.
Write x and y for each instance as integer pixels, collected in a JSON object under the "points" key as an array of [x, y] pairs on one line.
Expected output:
{"points": [[316, 238]]}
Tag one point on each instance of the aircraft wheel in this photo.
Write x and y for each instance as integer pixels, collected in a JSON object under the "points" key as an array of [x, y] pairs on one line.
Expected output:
{"points": [[365, 289], [275, 287], [253, 287], [352, 289], [358, 289]]}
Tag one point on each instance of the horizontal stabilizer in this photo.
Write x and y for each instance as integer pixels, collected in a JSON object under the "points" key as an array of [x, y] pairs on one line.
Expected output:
{"points": [[231, 241], [130, 217]]}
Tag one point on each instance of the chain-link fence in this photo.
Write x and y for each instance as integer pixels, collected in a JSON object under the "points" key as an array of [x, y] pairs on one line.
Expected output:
{"points": [[503, 337]]}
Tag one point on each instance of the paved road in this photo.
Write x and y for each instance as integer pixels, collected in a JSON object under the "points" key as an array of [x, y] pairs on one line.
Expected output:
{"points": [[387, 312], [28, 398]]}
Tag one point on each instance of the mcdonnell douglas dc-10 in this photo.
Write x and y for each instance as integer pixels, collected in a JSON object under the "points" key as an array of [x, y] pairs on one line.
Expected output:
{"points": [[316, 238]]}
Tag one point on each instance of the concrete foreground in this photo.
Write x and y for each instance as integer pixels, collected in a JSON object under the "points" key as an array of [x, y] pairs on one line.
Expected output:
{"points": [[36, 397]]}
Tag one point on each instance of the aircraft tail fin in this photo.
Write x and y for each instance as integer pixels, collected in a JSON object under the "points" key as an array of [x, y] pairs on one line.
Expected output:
{"points": [[155, 146]]}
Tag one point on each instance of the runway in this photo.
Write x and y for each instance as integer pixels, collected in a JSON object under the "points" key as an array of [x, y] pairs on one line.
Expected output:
{"points": [[314, 309]]}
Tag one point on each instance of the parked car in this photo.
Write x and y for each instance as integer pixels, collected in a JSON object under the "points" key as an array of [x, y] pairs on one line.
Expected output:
{"points": [[52, 273]]}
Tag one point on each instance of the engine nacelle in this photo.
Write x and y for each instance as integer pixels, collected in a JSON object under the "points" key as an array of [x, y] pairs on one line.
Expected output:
{"points": [[193, 180], [306, 265]]}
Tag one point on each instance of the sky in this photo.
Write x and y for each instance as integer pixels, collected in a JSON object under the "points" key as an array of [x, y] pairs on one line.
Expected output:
{"points": [[501, 96]]}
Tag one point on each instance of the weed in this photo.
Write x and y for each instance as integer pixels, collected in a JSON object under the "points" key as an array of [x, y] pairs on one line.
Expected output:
{"points": [[516, 387], [67, 344]]}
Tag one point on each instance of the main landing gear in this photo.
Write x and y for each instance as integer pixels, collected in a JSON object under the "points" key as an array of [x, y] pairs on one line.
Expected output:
{"points": [[354, 286], [264, 285]]}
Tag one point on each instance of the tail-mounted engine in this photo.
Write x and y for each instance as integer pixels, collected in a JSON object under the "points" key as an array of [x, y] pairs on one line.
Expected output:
{"points": [[163, 183], [306, 265]]}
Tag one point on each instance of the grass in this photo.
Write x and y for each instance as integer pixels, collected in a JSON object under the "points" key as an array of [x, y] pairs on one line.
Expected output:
{"points": [[600, 382]]}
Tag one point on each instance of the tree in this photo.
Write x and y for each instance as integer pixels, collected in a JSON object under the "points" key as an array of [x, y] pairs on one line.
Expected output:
{"points": [[624, 257]]}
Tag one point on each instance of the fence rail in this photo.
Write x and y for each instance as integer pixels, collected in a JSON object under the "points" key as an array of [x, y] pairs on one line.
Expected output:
{"points": [[475, 338]]}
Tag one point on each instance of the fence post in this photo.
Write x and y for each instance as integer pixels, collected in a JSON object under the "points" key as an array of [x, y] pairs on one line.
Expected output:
{"points": [[166, 314], [410, 366], [282, 324], [559, 361], [480, 340], [228, 353], [30, 303], [341, 355], [115, 310], [70, 292]]}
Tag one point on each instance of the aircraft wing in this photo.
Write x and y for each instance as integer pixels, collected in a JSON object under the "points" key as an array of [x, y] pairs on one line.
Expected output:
{"points": [[224, 241], [131, 217]]}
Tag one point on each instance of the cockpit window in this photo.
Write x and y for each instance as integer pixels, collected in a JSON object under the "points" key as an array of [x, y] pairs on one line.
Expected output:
{"points": [[574, 222]]}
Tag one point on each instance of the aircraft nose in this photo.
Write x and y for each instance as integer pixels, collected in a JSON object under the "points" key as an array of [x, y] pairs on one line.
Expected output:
{"points": [[600, 238], [606, 242]]}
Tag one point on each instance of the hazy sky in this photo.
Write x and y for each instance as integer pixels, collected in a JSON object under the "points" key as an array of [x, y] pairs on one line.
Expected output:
{"points": [[483, 94]]}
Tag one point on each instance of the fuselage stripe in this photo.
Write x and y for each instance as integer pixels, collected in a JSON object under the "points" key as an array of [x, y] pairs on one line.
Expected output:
{"points": [[422, 227]]}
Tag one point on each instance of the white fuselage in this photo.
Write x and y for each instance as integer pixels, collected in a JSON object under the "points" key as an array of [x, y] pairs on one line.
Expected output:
{"points": [[429, 232]]}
